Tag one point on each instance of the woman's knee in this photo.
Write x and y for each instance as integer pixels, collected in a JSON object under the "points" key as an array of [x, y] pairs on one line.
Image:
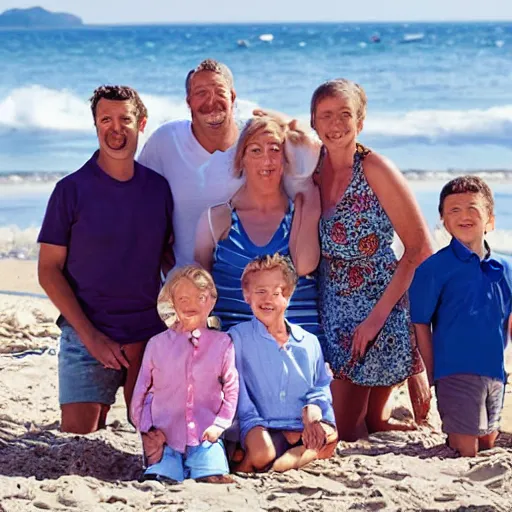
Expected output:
{"points": [[375, 423]]}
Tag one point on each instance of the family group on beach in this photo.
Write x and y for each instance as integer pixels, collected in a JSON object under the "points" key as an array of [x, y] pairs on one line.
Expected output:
{"points": [[281, 237]]}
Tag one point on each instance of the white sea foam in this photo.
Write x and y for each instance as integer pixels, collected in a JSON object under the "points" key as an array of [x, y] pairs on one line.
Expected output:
{"points": [[37, 108], [18, 243], [452, 127]]}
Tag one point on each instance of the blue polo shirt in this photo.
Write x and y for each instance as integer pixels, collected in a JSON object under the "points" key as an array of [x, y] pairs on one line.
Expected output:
{"points": [[468, 302]]}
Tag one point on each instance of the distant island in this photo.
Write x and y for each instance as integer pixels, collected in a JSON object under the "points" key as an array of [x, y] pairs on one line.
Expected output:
{"points": [[37, 17]]}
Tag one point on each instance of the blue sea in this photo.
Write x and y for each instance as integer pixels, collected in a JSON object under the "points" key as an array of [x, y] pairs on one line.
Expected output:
{"points": [[440, 97]]}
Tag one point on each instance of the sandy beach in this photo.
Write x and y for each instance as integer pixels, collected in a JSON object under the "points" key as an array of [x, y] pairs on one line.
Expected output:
{"points": [[42, 469]]}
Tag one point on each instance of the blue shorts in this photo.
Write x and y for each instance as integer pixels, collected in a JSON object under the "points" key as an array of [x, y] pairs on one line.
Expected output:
{"points": [[81, 377], [207, 459]]}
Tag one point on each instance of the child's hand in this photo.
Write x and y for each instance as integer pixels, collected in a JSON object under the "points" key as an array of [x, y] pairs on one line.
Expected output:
{"points": [[212, 434], [420, 395], [153, 445], [311, 413], [109, 353], [364, 335], [313, 436]]}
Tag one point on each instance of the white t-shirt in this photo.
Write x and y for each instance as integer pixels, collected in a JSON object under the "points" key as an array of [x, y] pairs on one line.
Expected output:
{"points": [[197, 179]]}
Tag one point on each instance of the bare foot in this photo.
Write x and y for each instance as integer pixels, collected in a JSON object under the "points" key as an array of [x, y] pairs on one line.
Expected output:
{"points": [[385, 426], [294, 458], [216, 479]]}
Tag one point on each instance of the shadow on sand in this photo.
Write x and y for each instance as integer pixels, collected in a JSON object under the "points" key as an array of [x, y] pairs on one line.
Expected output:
{"points": [[44, 455]]}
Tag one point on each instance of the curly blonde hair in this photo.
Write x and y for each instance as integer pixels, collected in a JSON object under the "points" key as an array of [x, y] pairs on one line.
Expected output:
{"points": [[272, 262], [198, 276]]}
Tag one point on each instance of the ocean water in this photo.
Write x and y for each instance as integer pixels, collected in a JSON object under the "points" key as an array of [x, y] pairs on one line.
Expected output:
{"points": [[439, 94]]}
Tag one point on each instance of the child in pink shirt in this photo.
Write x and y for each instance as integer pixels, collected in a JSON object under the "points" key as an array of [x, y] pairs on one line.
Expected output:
{"points": [[187, 389]]}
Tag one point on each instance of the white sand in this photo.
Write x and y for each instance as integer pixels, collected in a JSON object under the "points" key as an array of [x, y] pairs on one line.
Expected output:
{"points": [[42, 469]]}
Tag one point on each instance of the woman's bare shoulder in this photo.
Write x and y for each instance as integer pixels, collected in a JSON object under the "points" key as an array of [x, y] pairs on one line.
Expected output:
{"points": [[220, 220], [375, 163]]}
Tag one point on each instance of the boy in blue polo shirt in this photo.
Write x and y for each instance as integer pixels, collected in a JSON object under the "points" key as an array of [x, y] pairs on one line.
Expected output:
{"points": [[460, 305]]}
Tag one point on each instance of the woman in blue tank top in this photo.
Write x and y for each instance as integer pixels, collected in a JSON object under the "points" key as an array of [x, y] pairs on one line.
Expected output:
{"points": [[260, 219]]}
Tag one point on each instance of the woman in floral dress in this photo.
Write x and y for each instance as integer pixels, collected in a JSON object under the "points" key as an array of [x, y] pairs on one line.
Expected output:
{"points": [[370, 343]]}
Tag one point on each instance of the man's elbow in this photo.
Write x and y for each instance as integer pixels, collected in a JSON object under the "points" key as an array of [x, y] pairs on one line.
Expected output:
{"points": [[46, 274], [42, 275]]}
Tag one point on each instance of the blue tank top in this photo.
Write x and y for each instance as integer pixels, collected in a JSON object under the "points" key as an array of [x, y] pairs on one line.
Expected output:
{"points": [[230, 257]]}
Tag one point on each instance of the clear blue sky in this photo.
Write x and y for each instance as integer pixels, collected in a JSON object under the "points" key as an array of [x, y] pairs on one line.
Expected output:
{"points": [[168, 11]]}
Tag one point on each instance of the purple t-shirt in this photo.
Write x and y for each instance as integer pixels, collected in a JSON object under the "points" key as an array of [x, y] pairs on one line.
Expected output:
{"points": [[116, 233]]}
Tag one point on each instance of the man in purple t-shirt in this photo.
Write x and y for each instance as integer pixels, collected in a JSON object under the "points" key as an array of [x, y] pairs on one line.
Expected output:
{"points": [[106, 235]]}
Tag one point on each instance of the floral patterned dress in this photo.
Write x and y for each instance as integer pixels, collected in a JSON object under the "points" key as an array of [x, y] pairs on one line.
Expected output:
{"points": [[357, 265]]}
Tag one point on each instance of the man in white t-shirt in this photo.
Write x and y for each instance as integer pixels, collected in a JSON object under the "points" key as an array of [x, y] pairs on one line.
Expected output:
{"points": [[196, 156]]}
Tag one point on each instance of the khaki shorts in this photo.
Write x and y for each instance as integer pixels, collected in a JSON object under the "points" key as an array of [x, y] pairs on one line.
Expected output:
{"points": [[470, 404]]}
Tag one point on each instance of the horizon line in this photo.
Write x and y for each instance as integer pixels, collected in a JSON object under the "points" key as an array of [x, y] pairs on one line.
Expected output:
{"points": [[259, 22], [291, 22]]}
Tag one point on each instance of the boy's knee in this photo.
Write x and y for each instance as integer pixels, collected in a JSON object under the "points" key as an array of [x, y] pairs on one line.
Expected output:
{"points": [[466, 451], [261, 458], [487, 442], [466, 446]]}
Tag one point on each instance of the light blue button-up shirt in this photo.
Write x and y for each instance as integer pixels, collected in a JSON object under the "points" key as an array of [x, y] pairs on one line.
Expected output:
{"points": [[276, 382]]}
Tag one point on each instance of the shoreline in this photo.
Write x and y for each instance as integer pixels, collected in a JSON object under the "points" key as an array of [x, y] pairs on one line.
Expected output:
{"points": [[20, 178]]}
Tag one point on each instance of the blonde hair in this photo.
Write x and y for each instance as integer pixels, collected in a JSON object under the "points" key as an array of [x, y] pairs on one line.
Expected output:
{"points": [[340, 87], [281, 130], [272, 262], [198, 276], [255, 125]]}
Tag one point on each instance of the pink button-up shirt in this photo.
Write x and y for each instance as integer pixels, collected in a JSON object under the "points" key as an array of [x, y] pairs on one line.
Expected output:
{"points": [[185, 385]]}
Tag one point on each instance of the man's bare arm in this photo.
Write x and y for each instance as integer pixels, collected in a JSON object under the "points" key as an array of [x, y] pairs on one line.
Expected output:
{"points": [[51, 277]]}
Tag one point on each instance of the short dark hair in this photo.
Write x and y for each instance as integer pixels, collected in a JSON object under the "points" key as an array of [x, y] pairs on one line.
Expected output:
{"points": [[118, 93], [467, 184], [213, 66], [339, 86]]}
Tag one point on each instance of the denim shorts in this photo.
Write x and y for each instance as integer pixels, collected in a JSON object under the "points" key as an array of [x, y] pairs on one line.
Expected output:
{"points": [[81, 377], [207, 459], [470, 404]]}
